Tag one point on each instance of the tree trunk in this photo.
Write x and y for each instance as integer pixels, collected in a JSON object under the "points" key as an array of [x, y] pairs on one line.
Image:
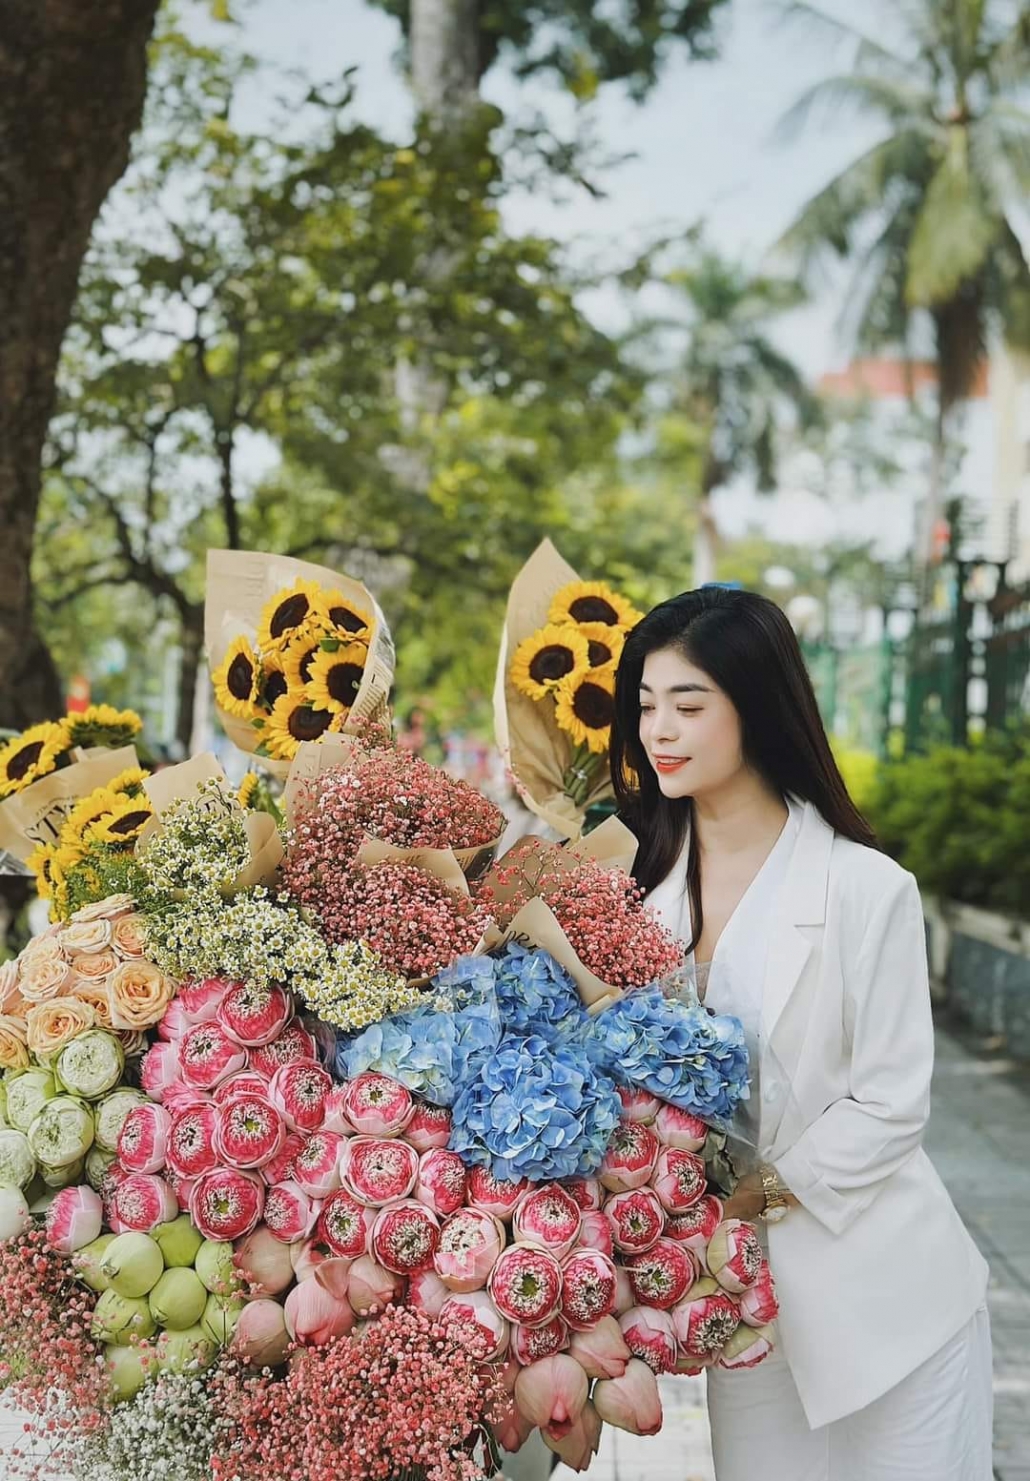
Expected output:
{"points": [[706, 542], [191, 640], [72, 83], [445, 59]]}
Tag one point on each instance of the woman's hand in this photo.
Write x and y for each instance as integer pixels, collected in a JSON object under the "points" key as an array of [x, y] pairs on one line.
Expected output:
{"points": [[747, 1200]]}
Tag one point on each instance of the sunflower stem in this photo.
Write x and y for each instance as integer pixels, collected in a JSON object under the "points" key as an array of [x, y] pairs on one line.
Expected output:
{"points": [[580, 773]]}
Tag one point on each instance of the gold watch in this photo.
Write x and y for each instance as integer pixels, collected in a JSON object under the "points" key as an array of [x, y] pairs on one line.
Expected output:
{"points": [[776, 1206]]}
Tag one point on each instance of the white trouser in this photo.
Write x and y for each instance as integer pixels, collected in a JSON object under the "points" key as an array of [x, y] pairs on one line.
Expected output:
{"points": [[935, 1425]]}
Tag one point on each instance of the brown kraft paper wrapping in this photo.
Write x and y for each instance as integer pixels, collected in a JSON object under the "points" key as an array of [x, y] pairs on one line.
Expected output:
{"points": [[176, 783], [36, 815]]}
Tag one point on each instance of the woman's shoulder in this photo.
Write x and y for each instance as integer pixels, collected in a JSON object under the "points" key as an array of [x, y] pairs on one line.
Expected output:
{"points": [[866, 874]]}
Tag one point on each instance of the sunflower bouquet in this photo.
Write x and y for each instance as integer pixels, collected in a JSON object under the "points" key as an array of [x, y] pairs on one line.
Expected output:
{"points": [[86, 861], [42, 749], [555, 692], [297, 652]]}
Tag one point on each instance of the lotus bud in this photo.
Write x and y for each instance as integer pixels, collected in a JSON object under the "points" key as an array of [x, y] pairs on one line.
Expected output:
{"points": [[215, 1264], [479, 1320], [494, 1195], [758, 1304], [121, 1318], [316, 1164], [631, 1402], [638, 1105], [429, 1127], [578, 1446], [679, 1179], [110, 1113], [62, 1133], [630, 1158], [174, 1022], [98, 1164], [405, 1236], [27, 1093], [17, 1164], [531, 1344], [376, 1105], [314, 1316], [549, 1218], [74, 1219], [226, 1204], [441, 1181], [596, 1233], [332, 1274], [695, 1227], [188, 1351], [249, 1132], [587, 1192], [178, 1299], [511, 1429], [191, 1141], [127, 1368], [263, 1262], [748, 1347], [132, 1264], [62, 1176], [221, 1317], [637, 1220], [244, 1082], [427, 1292], [526, 1285], [14, 1213], [345, 1225], [254, 1015], [734, 1256], [207, 1055], [293, 1046], [378, 1171], [261, 1336], [662, 1275], [178, 1242], [650, 1336], [159, 1069], [142, 1201], [282, 1167], [289, 1213], [601, 1350], [552, 1393], [143, 1139], [88, 1262], [200, 1001], [589, 1289], [91, 1063], [371, 1287], [680, 1129], [300, 1092], [470, 1242], [705, 1319]]}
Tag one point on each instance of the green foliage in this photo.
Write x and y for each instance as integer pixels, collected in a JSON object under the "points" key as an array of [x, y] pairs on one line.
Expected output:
{"points": [[959, 819], [861, 772]]}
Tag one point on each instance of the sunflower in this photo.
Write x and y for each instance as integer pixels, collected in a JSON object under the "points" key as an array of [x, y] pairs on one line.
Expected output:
{"points": [[39, 862], [335, 678], [604, 642], [247, 788], [128, 783], [103, 725], [272, 682], [96, 805], [292, 721], [299, 653], [31, 755], [342, 613], [592, 601], [123, 824], [585, 707], [287, 610], [548, 656], [236, 679]]}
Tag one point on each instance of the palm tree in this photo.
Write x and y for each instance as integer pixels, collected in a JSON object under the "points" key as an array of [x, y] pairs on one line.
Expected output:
{"points": [[734, 389], [927, 212]]}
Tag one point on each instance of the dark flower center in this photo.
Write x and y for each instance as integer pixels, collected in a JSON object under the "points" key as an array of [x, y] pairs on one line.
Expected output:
{"points": [[593, 609], [345, 618], [307, 661], [600, 653], [130, 822], [240, 679], [343, 682], [307, 724], [552, 663], [23, 760], [593, 706], [275, 686], [289, 613]]}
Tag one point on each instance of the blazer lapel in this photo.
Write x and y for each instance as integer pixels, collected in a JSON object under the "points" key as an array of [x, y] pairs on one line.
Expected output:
{"points": [[802, 903]]}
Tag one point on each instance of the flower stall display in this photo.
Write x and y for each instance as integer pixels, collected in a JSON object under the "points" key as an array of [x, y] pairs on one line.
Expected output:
{"points": [[555, 686]]}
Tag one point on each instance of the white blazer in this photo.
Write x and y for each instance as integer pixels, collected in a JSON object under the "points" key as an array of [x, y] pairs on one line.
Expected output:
{"points": [[875, 1271]]}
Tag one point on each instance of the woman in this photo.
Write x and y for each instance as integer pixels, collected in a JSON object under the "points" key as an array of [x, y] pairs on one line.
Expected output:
{"points": [[752, 851]]}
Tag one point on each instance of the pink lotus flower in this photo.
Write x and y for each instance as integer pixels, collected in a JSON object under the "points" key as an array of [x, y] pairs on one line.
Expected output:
{"points": [[159, 1069], [526, 1285], [638, 1105], [289, 1213], [345, 1225], [588, 1289], [578, 1446], [441, 1181], [758, 1304], [200, 1001], [694, 1228], [244, 1082], [681, 1129], [173, 1023], [293, 1046], [553, 1393], [282, 1167], [429, 1127], [623, 1291], [227, 1204], [679, 1179], [181, 1187], [488, 1330], [405, 1237], [376, 1105], [332, 1273], [493, 1195], [650, 1336], [510, 1428], [207, 1055], [705, 1319], [249, 1133], [191, 1141], [371, 1287], [631, 1402], [316, 1164], [470, 1242], [334, 1116], [587, 1192], [549, 1218], [300, 1092], [734, 1256], [314, 1316], [378, 1171], [427, 1292], [662, 1275], [596, 1233], [601, 1351], [530, 1344], [261, 1335], [254, 1015], [143, 1139], [73, 1219], [182, 1097], [748, 1347], [142, 1201], [630, 1158], [637, 1220], [264, 1262]]}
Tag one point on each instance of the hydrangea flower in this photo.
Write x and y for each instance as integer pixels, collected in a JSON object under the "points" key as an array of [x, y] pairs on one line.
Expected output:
{"points": [[536, 1110], [685, 1055], [536, 995]]}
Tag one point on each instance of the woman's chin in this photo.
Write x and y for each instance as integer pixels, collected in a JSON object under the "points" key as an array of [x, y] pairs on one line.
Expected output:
{"points": [[674, 785]]}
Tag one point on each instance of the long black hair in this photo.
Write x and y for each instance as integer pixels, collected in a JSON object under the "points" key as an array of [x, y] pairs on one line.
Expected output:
{"points": [[745, 644]]}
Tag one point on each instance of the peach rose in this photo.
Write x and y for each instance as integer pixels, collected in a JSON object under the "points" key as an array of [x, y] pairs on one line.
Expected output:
{"points": [[109, 909], [127, 936], [85, 936], [42, 977], [140, 993], [50, 1026], [14, 1052], [8, 981], [98, 998], [134, 1041], [93, 966], [45, 948]]}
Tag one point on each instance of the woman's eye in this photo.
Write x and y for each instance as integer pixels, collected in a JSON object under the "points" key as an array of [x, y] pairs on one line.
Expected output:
{"points": [[646, 709], [682, 710]]}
